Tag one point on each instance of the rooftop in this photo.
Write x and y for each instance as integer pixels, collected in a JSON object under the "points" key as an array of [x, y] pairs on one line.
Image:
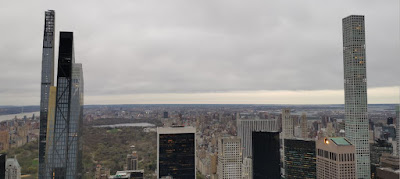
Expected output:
{"points": [[340, 141]]}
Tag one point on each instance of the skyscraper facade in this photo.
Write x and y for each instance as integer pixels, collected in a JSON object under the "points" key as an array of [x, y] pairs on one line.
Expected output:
{"points": [[132, 161], [47, 80], [287, 124], [245, 127], [398, 130], [335, 158], [303, 124], [13, 169], [176, 151], [3, 158], [355, 90], [247, 168], [229, 158], [65, 154], [50, 122], [300, 158], [266, 155]]}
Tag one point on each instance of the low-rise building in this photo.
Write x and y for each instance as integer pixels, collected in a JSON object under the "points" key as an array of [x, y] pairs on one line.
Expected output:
{"points": [[13, 169], [128, 174]]}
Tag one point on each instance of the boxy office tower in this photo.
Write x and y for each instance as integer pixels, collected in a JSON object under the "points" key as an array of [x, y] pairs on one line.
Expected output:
{"points": [[176, 152], [266, 155], [64, 156]]}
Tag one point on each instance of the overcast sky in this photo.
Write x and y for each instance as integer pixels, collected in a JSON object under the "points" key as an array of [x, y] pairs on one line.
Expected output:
{"points": [[203, 51]]}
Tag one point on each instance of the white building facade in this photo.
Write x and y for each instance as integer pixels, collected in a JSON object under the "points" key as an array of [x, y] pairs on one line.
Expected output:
{"points": [[229, 158], [13, 169]]}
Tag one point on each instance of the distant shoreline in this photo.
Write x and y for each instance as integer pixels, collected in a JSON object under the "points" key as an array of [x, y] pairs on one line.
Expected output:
{"points": [[7, 117]]}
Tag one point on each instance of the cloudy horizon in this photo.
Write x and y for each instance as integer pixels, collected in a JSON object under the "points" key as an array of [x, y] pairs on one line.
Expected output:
{"points": [[195, 52]]}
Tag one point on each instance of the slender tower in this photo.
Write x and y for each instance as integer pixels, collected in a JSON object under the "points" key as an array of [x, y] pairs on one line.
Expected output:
{"points": [[46, 81], [303, 124], [355, 90], [65, 153]]}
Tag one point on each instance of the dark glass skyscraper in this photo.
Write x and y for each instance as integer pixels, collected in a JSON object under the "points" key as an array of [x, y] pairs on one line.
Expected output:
{"points": [[46, 81], [176, 152], [300, 159], [3, 159], [64, 156], [266, 156]]}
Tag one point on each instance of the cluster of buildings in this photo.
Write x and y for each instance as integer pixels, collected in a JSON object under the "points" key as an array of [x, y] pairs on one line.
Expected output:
{"points": [[61, 106], [131, 169], [282, 146], [219, 144], [17, 132]]}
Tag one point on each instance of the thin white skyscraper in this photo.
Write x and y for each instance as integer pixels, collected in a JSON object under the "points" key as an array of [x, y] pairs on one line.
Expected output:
{"points": [[355, 91]]}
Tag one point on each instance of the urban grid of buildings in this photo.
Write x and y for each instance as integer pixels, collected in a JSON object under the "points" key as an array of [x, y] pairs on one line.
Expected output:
{"points": [[226, 143]]}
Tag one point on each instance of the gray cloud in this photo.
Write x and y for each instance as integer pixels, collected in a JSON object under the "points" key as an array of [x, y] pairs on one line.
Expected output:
{"points": [[182, 46]]}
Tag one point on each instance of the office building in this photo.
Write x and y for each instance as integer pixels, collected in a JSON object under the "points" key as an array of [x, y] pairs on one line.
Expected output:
{"points": [[266, 155], [247, 168], [101, 172], [398, 130], [3, 159], [247, 124], [355, 90], [378, 148], [165, 114], [387, 173], [303, 124], [13, 169], [335, 158], [300, 158], [4, 140], [287, 124], [129, 174], [132, 161], [47, 80], [229, 158], [65, 156], [389, 121], [176, 152], [389, 161]]}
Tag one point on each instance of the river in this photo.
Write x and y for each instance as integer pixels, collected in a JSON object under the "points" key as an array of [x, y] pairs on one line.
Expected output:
{"points": [[19, 116]]}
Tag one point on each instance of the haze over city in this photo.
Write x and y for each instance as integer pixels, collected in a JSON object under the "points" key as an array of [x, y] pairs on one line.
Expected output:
{"points": [[182, 52]]}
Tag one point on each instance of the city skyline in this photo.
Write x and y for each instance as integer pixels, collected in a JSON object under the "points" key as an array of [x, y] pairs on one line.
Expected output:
{"points": [[202, 90], [272, 53]]}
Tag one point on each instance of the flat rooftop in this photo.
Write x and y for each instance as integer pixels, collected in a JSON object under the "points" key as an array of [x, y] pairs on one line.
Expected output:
{"points": [[340, 141], [175, 130]]}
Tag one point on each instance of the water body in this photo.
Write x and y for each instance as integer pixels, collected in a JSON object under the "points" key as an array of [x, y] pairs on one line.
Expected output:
{"points": [[127, 125], [19, 116]]}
